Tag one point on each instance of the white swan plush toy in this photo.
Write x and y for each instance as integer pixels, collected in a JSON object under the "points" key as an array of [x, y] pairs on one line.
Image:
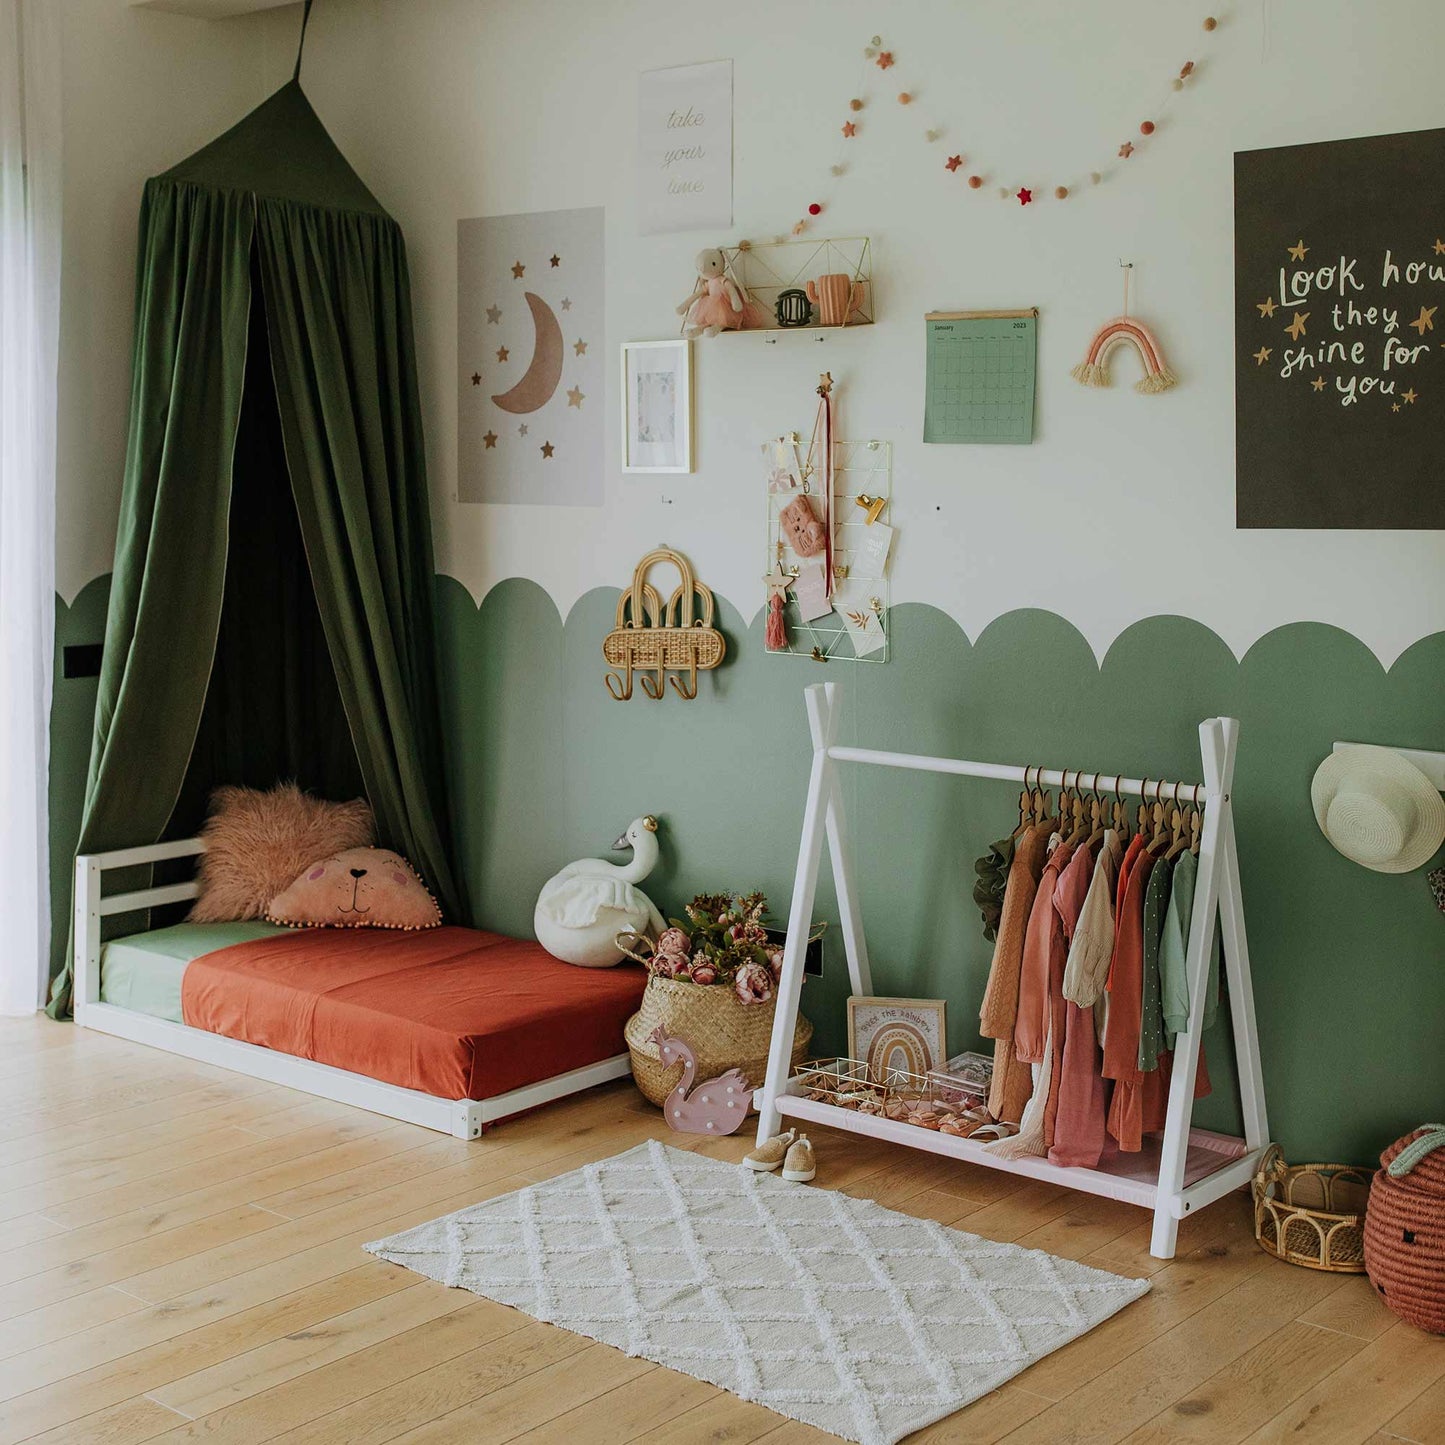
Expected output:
{"points": [[583, 908]]}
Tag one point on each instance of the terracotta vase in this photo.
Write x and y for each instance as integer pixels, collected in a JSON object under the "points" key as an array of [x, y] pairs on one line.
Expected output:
{"points": [[837, 297]]}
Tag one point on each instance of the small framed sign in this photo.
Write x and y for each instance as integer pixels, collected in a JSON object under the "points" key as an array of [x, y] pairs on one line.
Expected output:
{"points": [[657, 406], [897, 1033]]}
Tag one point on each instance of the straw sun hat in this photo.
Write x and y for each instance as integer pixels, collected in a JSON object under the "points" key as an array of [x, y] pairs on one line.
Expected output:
{"points": [[1378, 809]]}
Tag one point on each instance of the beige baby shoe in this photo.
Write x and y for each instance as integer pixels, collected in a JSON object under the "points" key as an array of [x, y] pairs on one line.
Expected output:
{"points": [[800, 1165], [770, 1154]]}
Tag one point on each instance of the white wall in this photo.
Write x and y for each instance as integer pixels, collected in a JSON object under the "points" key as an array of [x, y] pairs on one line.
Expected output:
{"points": [[141, 91], [1122, 508]]}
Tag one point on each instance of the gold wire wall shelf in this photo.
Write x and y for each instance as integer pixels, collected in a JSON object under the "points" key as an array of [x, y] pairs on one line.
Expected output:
{"points": [[774, 270], [858, 628]]}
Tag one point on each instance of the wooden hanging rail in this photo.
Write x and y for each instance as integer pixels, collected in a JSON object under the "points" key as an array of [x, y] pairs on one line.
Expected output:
{"points": [[1178, 1172]]}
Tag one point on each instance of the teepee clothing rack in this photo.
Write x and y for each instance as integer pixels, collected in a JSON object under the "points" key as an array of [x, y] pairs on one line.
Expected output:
{"points": [[1177, 1173]]}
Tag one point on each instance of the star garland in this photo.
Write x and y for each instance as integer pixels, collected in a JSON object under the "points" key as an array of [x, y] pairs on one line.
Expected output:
{"points": [[957, 165]]}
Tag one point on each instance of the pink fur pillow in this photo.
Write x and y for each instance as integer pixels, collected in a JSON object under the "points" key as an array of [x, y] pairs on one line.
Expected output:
{"points": [[256, 843], [357, 888]]}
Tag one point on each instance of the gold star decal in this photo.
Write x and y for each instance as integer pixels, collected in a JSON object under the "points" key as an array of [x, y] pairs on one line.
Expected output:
{"points": [[1261, 356], [1439, 247], [1297, 251], [522, 429], [1394, 406], [1265, 307], [580, 347], [1296, 328], [1425, 321], [547, 449], [555, 261], [575, 397], [490, 439], [476, 378], [849, 129], [517, 270], [566, 303], [1408, 397], [1318, 383], [502, 353], [494, 315]]}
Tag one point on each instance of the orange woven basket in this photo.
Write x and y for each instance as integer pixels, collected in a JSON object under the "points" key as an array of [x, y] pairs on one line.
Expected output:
{"points": [[1405, 1228]]}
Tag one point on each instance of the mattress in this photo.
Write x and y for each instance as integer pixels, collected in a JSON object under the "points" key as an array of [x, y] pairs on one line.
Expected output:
{"points": [[143, 972], [452, 1012]]}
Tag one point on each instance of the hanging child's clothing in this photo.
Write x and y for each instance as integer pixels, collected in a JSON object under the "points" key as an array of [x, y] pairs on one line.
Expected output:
{"points": [[1151, 1016], [1012, 1080], [1125, 985], [1093, 944], [1043, 938], [1051, 923], [1173, 949], [1073, 888]]}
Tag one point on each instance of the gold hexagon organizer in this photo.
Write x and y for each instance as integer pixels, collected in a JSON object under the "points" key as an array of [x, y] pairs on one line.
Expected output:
{"points": [[649, 637]]}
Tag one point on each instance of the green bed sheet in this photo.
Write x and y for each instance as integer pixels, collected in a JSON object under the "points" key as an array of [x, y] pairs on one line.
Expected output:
{"points": [[143, 972]]}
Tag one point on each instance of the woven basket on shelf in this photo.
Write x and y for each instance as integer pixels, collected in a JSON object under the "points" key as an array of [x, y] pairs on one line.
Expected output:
{"points": [[723, 1034], [1311, 1214], [1405, 1228]]}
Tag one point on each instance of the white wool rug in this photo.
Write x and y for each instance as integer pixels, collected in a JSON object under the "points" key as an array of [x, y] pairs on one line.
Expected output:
{"points": [[830, 1310]]}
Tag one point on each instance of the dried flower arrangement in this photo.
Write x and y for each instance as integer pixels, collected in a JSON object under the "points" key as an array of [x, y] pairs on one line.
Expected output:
{"points": [[722, 942]]}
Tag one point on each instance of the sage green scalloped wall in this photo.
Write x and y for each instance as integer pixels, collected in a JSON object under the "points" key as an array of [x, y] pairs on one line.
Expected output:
{"points": [[545, 767], [1349, 966]]}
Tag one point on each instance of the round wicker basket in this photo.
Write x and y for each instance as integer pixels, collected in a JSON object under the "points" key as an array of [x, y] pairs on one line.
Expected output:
{"points": [[723, 1034], [1311, 1214], [1405, 1230]]}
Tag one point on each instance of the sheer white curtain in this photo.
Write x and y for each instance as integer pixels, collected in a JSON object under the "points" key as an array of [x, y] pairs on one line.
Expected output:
{"points": [[29, 326]]}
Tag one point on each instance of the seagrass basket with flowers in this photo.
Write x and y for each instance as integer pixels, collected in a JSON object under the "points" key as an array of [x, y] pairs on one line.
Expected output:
{"points": [[713, 982]]}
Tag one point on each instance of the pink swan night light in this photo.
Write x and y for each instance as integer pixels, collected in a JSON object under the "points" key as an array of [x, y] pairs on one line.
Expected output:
{"points": [[716, 1106]]}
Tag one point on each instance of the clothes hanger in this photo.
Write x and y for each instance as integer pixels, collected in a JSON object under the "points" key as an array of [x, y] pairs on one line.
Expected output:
{"points": [[1120, 811], [1025, 816], [1178, 827], [1078, 829], [1159, 835], [1042, 803], [1196, 823], [1096, 816], [1141, 813]]}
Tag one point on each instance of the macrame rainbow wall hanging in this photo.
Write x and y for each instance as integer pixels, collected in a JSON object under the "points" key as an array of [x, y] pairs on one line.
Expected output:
{"points": [[1093, 370]]}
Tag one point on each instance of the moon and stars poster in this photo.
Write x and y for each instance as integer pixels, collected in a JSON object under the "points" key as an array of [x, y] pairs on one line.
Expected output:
{"points": [[1339, 363], [530, 347]]}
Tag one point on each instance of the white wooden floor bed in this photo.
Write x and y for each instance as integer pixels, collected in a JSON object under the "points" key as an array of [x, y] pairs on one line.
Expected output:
{"points": [[462, 1118]]}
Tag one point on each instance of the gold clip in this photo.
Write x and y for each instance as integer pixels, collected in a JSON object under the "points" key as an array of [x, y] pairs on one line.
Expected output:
{"points": [[872, 505]]}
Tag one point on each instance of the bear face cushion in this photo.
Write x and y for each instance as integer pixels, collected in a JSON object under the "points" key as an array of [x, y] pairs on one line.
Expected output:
{"points": [[257, 842], [357, 888]]}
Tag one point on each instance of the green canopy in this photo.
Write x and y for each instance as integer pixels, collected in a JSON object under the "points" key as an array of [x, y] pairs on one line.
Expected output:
{"points": [[271, 601]]}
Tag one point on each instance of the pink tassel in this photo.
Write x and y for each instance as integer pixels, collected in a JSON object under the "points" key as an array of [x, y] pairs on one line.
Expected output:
{"points": [[775, 635]]}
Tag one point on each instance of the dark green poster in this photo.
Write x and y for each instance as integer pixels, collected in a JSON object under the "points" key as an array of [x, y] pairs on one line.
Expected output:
{"points": [[1339, 297]]}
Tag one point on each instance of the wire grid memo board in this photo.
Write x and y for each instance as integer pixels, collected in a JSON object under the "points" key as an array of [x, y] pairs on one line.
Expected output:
{"points": [[859, 469]]}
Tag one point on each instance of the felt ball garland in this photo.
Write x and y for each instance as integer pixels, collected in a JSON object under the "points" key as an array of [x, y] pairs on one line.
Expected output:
{"points": [[875, 56]]}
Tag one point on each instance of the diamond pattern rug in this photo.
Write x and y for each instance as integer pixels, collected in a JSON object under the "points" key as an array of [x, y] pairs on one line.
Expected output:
{"points": [[830, 1310]]}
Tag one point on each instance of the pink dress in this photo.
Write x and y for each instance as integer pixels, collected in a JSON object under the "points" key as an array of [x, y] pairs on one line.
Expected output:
{"points": [[713, 308]]}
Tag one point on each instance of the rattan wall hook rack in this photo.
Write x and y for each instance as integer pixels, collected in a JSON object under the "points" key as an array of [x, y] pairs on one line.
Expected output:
{"points": [[668, 643]]}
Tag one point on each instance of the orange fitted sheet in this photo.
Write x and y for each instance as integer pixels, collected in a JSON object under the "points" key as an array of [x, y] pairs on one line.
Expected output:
{"points": [[453, 1012]]}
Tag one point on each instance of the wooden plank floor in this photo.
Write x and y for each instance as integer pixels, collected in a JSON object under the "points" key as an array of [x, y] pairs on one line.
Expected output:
{"points": [[180, 1261]]}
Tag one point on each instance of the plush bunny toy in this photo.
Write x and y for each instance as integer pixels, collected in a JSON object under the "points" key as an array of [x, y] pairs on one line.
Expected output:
{"points": [[717, 302]]}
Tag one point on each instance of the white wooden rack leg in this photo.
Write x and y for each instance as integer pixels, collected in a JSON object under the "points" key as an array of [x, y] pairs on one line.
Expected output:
{"points": [[1216, 904]]}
